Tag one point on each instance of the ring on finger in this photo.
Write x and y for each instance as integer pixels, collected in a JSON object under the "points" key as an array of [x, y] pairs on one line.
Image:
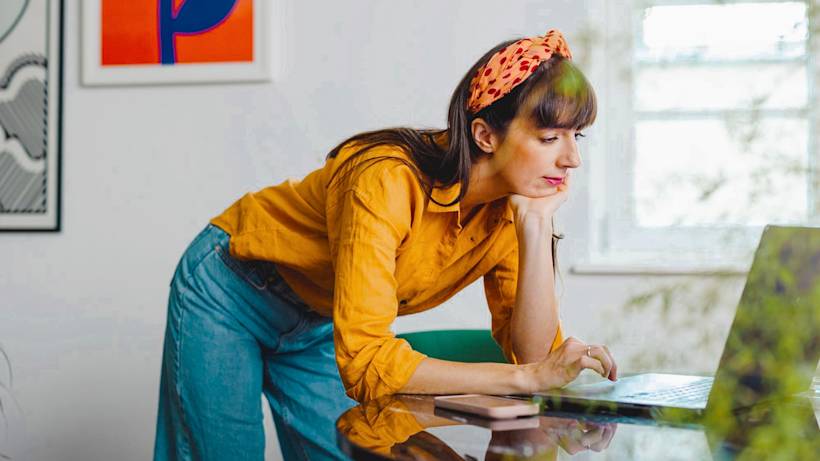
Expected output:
{"points": [[588, 349]]}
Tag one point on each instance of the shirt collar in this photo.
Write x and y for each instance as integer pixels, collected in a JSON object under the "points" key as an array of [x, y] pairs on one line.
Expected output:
{"points": [[444, 195], [500, 210], [448, 194], [508, 211]]}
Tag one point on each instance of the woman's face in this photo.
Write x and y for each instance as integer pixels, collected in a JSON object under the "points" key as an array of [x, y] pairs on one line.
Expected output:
{"points": [[532, 161]]}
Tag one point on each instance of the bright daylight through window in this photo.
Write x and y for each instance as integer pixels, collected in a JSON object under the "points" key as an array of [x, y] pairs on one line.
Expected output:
{"points": [[719, 114]]}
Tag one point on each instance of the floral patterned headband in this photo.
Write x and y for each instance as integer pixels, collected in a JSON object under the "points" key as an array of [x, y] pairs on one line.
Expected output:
{"points": [[511, 66]]}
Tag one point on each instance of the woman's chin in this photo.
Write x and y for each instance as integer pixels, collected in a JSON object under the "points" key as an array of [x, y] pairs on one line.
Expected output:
{"points": [[542, 192]]}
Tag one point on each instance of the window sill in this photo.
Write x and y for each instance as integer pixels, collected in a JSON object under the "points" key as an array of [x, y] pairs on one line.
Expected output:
{"points": [[646, 268]]}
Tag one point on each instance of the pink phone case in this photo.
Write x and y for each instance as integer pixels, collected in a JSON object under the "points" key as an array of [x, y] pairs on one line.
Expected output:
{"points": [[487, 405], [493, 424]]}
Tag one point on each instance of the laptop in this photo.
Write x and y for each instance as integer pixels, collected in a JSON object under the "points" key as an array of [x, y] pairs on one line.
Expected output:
{"points": [[771, 352]]}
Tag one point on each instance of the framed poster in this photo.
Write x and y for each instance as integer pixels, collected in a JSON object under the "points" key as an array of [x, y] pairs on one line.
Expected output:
{"points": [[174, 41], [30, 114]]}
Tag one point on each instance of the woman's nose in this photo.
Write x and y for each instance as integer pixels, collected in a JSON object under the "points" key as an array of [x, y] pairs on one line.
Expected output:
{"points": [[571, 158]]}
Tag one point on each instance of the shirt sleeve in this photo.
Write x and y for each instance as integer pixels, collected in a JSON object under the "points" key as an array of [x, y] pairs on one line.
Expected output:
{"points": [[379, 427], [373, 218], [500, 285]]}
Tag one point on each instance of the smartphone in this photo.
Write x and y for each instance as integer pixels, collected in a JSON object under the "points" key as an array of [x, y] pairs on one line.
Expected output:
{"points": [[487, 405], [509, 424]]}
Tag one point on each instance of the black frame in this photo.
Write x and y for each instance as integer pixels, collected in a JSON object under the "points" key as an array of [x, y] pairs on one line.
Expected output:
{"points": [[56, 224]]}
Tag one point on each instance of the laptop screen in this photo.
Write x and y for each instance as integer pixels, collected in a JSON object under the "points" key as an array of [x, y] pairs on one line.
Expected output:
{"points": [[774, 343]]}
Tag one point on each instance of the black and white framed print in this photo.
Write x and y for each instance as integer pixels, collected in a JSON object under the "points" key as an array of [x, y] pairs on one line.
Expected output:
{"points": [[30, 114]]}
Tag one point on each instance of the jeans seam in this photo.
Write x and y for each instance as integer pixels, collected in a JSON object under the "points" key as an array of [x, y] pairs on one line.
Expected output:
{"points": [[177, 384], [195, 264], [287, 419], [295, 435]]}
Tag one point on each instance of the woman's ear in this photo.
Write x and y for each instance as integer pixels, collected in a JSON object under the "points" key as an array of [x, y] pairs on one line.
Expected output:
{"points": [[483, 135]]}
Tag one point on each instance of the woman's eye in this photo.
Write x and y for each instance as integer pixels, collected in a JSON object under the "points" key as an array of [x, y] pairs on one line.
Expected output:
{"points": [[549, 140], [580, 135]]}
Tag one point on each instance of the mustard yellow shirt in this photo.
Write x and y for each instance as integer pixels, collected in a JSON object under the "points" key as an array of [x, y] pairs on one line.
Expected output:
{"points": [[369, 246], [379, 424]]}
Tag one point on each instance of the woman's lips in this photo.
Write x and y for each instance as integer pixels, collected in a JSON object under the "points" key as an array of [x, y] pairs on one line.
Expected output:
{"points": [[554, 181]]}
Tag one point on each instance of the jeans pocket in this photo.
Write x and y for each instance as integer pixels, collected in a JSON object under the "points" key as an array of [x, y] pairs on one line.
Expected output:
{"points": [[251, 271]]}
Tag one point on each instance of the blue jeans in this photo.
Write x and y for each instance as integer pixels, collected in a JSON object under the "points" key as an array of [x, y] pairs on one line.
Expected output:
{"points": [[235, 330]]}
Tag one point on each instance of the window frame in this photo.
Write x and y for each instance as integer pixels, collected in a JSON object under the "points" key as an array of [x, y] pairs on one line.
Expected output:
{"points": [[617, 244]]}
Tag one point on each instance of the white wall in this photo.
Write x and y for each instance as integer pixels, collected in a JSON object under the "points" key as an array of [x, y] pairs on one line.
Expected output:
{"points": [[82, 311]]}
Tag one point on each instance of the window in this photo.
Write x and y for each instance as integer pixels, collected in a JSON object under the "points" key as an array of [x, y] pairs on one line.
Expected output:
{"points": [[708, 130]]}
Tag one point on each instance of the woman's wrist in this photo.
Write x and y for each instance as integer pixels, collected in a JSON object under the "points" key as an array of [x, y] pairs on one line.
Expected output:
{"points": [[533, 226], [524, 381], [529, 379], [538, 376]]}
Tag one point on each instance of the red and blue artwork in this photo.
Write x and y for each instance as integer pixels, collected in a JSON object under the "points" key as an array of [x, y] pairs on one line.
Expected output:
{"points": [[169, 32]]}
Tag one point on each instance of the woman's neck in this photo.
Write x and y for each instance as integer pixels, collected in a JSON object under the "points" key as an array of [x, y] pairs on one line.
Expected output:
{"points": [[483, 187]]}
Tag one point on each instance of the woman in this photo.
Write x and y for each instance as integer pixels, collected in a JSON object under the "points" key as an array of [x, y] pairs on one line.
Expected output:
{"points": [[292, 290]]}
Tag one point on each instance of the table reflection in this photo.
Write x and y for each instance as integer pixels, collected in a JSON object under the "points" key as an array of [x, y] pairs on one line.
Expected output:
{"points": [[408, 427]]}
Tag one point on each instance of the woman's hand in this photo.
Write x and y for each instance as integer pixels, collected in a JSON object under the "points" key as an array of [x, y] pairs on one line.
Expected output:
{"points": [[564, 364], [572, 435], [541, 206], [586, 436]]}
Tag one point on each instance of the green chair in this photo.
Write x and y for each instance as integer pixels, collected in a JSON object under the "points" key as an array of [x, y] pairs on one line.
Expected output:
{"points": [[456, 345]]}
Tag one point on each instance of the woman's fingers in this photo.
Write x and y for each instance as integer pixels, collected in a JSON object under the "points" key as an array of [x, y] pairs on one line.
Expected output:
{"points": [[606, 437], [592, 435], [613, 372], [608, 368], [575, 355], [603, 356], [570, 441], [592, 363], [584, 437], [597, 436]]}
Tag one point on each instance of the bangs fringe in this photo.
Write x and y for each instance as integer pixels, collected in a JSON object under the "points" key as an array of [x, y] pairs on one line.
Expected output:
{"points": [[565, 98]]}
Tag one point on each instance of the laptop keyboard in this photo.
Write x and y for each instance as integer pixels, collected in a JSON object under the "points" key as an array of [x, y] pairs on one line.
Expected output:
{"points": [[694, 392]]}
